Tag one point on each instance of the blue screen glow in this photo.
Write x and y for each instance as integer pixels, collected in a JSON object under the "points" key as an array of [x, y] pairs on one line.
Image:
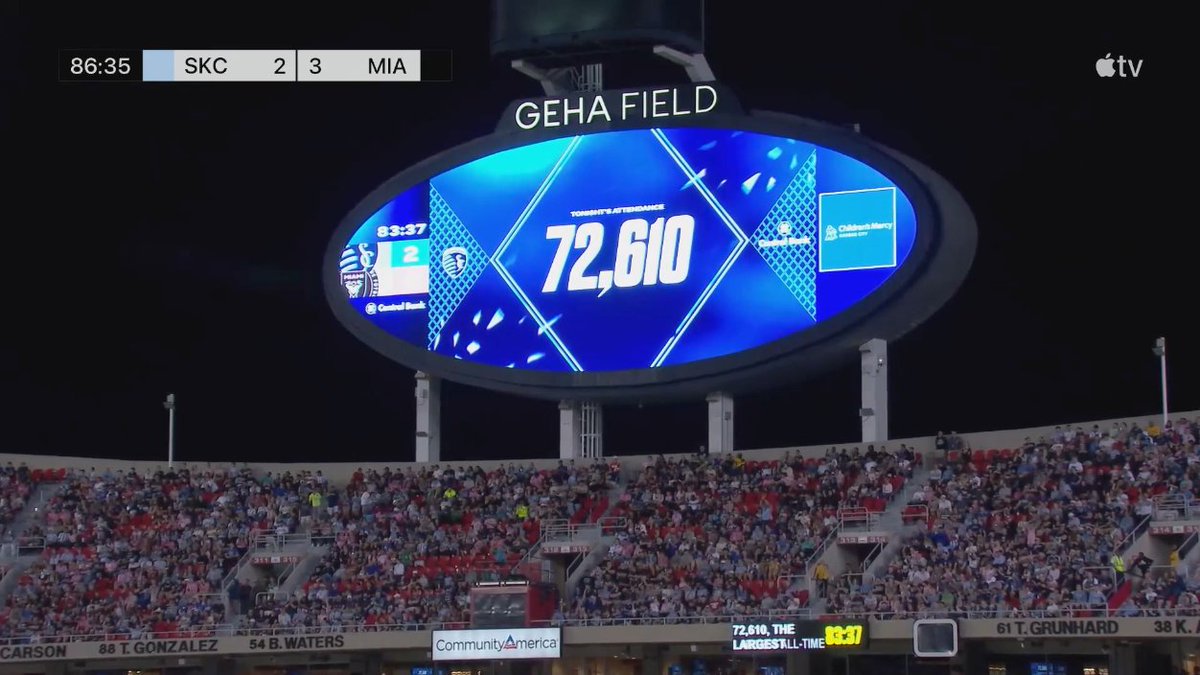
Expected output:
{"points": [[625, 250]]}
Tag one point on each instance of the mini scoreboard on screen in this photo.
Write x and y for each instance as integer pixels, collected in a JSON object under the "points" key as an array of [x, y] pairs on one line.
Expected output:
{"points": [[255, 65]]}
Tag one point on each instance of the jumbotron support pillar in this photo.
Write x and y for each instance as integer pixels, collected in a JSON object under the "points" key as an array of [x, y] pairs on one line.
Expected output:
{"points": [[591, 430], [720, 423], [429, 418], [569, 439], [580, 430], [874, 410]]}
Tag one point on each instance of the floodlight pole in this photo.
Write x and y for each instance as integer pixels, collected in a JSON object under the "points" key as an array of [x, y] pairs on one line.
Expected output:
{"points": [[1160, 350], [169, 404]]}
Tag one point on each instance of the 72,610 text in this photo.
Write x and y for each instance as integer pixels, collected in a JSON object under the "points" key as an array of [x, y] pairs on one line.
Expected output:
{"points": [[648, 253]]}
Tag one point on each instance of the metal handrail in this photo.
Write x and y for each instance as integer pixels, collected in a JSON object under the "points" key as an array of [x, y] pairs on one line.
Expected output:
{"points": [[1185, 547], [1160, 569], [1106, 573], [277, 542], [231, 575], [1132, 535], [811, 561], [274, 595], [552, 529], [214, 598], [545, 528], [871, 556], [575, 563], [564, 530], [286, 572], [1176, 507], [857, 517], [610, 524], [851, 580], [788, 580], [231, 630], [30, 543], [914, 512]]}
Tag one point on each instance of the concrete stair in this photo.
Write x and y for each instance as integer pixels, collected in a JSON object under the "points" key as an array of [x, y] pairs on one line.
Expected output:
{"points": [[585, 563], [16, 567], [28, 517], [301, 572], [892, 522], [16, 558], [309, 550]]}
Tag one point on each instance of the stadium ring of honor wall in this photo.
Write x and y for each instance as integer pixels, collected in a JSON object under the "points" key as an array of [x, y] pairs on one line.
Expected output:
{"points": [[614, 253]]}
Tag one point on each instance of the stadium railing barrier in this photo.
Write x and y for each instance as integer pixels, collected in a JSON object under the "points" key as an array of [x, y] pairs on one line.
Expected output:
{"points": [[1066, 612]]}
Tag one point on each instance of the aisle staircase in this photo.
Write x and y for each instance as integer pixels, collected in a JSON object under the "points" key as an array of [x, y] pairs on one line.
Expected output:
{"points": [[20, 551]]}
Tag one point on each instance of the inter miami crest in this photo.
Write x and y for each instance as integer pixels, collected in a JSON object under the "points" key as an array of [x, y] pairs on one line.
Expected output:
{"points": [[454, 261], [358, 271]]}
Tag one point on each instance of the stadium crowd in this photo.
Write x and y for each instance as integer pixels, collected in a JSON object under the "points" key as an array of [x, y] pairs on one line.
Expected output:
{"points": [[15, 488], [724, 536], [405, 546], [1030, 530], [133, 554], [1171, 587]]}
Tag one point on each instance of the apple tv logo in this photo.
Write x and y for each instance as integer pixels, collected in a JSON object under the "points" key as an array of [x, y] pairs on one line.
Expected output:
{"points": [[1105, 68]]}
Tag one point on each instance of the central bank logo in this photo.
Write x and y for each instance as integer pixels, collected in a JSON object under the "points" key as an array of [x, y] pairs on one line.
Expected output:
{"points": [[830, 233], [454, 261], [371, 308]]}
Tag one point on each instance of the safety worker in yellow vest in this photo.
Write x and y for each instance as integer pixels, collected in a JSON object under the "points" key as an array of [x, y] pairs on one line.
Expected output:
{"points": [[821, 576], [1118, 566]]}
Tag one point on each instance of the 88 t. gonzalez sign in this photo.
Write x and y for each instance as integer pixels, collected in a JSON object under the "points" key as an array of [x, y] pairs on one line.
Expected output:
{"points": [[208, 646], [624, 258]]}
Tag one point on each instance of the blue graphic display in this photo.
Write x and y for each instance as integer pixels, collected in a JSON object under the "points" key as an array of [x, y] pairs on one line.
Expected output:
{"points": [[626, 250], [858, 229]]}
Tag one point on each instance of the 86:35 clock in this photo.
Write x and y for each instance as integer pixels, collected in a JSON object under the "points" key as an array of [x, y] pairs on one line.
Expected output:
{"points": [[101, 65]]}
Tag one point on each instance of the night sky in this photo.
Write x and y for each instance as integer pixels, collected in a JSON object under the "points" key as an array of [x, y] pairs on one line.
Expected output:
{"points": [[169, 237]]}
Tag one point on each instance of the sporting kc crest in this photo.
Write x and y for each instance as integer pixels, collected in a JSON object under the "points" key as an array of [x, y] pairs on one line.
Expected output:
{"points": [[454, 261]]}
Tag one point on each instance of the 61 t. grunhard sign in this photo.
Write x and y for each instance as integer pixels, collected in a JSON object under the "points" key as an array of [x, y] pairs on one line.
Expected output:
{"points": [[1139, 627]]}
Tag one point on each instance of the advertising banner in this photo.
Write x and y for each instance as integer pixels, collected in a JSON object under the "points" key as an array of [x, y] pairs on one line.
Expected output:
{"points": [[779, 636], [498, 644], [1133, 627], [193, 646]]}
